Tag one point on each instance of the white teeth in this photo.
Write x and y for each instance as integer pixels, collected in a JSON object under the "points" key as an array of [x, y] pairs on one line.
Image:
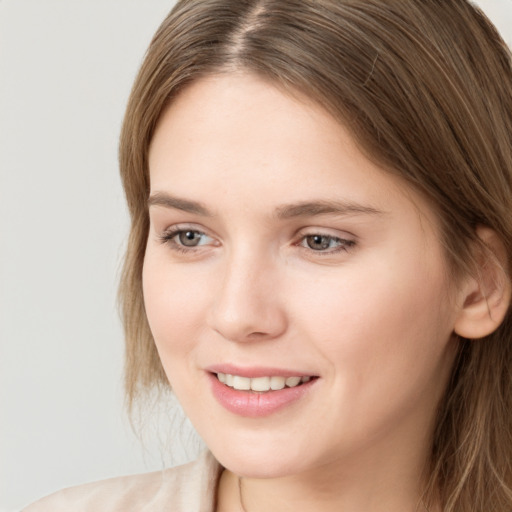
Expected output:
{"points": [[242, 383], [277, 383], [292, 381], [260, 384]]}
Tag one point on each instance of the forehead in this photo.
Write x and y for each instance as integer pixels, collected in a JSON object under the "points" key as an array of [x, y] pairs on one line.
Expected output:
{"points": [[227, 133], [234, 107]]}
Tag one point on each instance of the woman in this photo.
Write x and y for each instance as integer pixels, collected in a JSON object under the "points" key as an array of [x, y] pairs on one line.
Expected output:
{"points": [[320, 253]]}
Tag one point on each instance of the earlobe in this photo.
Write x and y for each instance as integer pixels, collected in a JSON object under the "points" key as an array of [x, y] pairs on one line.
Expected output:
{"points": [[485, 296]]}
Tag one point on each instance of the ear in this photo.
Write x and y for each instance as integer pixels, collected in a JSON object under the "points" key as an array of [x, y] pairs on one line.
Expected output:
{"points": [[485, 295]]}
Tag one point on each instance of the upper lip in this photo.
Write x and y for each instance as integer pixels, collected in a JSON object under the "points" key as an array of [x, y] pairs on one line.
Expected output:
{"points": [[257, 371]]}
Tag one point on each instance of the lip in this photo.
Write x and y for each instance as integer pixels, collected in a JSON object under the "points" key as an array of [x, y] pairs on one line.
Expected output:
{"points": [[253, 404]]}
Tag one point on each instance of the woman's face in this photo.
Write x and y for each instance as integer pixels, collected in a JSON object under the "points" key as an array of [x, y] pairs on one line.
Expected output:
{"points": [[277, 250]]}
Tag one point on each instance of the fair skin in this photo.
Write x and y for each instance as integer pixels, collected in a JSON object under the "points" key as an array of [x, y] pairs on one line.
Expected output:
{"points": [[274, 243]]}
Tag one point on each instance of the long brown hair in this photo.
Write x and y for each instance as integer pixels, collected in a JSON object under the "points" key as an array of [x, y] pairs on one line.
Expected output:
{"points": [[425, 87]]}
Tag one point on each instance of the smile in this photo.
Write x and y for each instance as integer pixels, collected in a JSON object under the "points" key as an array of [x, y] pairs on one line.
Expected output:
{"points": [[260, 384]]}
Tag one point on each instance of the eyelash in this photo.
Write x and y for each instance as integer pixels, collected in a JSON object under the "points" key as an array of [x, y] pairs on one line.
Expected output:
{"points": [[344, 244], [169, 238]]}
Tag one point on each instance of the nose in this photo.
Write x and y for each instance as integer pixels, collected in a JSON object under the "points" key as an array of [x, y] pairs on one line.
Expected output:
{"points": [[247, 305]]}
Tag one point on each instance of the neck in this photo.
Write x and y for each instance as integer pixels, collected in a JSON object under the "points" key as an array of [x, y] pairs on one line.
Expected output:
{"points": [[370, 484], [348, 495]]}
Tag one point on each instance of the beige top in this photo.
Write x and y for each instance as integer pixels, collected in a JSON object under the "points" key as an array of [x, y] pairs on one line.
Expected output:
{"points": [[188, 488]]}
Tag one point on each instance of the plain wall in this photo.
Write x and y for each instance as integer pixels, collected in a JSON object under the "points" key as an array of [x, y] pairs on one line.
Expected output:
{"points": [[66, 68]]}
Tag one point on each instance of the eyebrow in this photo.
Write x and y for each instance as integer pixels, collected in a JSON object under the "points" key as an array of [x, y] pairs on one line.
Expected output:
{"points": [[312, 208], [288, 211], [177, 203]]}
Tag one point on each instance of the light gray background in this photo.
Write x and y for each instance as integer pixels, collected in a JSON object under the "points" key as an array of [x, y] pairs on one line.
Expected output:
{"points": [[66, 68]]}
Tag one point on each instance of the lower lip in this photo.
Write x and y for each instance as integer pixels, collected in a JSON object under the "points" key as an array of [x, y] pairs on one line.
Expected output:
{"points": [[254, 404]]}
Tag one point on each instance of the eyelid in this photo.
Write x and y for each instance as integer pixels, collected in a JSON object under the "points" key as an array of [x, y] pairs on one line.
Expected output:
{"points": [[330, 232], [186, 226]]}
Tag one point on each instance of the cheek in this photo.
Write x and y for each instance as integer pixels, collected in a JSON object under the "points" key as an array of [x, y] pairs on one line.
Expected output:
{"points": [[173, 306], [380, 322], [384, 335]]}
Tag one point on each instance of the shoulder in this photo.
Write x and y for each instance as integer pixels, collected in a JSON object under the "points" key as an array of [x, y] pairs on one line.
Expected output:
{"points": [[189, 488]]}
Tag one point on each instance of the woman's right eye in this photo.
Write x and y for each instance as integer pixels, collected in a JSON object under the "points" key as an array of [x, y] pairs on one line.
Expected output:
{"points": [[185, 239], [189, 238]]}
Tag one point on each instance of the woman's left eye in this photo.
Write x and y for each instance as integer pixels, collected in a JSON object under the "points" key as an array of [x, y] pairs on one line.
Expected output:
{"points": [[325, 243]]}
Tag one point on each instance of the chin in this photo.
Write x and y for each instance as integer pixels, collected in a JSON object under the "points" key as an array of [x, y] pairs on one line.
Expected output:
{"points": [[260, 460]]}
